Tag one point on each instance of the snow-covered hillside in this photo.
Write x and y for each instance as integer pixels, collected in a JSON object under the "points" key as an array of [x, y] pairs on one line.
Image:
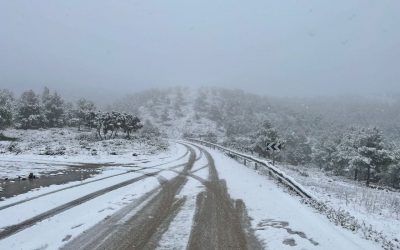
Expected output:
{"points": [[44, 151], [205, 112], [236, 113], [171, 110]]}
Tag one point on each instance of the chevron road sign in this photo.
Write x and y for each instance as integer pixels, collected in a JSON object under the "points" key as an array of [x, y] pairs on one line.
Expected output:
{"points": [[274, 146]]}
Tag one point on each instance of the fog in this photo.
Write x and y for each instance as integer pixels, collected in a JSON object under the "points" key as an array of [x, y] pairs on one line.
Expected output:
{"points": [[283, 48]]}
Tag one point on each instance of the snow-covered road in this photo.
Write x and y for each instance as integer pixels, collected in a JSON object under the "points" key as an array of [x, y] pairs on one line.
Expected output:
{"points": [[196, 198]]}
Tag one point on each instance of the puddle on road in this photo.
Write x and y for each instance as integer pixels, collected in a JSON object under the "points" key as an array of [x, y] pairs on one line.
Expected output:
{"points": [[15, 187]]}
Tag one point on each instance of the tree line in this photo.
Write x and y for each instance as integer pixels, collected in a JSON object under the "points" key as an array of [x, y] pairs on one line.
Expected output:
{"points": [[50, 110], [359, 153]]}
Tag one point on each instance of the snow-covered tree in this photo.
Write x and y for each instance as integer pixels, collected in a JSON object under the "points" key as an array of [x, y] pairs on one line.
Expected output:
{"points": [[362, 151], [297, 149], [83, 111], [69, 117], [52, 108], [6, 106], [391, 175], [108, 124], [266, 134], [323, 152], [28, 114], [372, 147], [210, 137], [131, 124], [46, 96], [346, 158]]}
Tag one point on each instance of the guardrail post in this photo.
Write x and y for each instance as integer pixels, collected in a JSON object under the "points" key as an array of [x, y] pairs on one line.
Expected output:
{"points": [[256, 166], [245, 162]]}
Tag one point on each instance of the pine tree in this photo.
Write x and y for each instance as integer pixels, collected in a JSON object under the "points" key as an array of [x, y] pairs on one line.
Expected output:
{"points": [[45, 102], [372, 148], [297, 149], [53, 108], [266, 134], [69, 118], [29, 115], [6, 106], [46, 96], [323, 152], [84, 109], [362, 151], [392, 174], [346, 158]]}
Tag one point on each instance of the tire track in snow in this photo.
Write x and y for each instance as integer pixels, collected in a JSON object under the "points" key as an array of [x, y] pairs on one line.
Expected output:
{"points": [[93, 181], [220, 222], [144, 229], [10, 230]]}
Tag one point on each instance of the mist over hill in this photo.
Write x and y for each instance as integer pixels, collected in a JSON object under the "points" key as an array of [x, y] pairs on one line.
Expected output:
{"points": [[236, 113]]}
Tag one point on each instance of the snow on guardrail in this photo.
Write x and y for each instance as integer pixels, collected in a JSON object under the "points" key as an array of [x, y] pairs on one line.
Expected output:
{"points": [[274, 171]]}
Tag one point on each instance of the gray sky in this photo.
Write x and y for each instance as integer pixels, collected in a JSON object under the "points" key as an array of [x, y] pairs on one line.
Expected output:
{"points": [[283, 48]]}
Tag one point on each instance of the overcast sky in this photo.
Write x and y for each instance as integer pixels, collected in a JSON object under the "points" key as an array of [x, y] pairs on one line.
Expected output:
{"points": [[282, 48]]}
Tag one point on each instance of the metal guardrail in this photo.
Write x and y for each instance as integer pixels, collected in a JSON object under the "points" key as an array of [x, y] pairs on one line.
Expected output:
{"points": [[259, 163]]}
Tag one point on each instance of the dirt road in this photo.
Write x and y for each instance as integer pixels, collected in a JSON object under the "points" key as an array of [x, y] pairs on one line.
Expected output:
{"points": [[219, 221]]}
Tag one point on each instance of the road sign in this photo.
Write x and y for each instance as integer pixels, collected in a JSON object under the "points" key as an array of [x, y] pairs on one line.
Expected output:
{"points": [[274, 146]]}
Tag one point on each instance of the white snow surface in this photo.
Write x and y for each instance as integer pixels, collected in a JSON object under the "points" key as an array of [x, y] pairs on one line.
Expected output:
{"points": [[377, 207], [279, 218], [76, 220], [28, 154]]}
